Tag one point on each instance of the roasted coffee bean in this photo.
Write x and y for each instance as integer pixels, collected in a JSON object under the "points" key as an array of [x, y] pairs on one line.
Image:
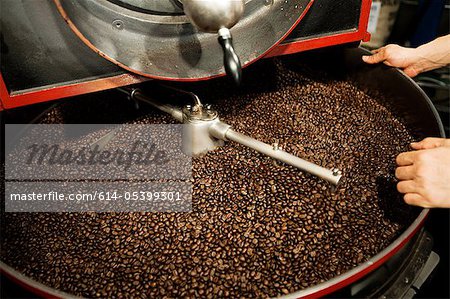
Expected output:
{"points": [[257, 228]]}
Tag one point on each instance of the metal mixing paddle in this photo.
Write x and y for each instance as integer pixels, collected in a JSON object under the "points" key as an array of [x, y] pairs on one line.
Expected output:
{"points": [[203, 132]]}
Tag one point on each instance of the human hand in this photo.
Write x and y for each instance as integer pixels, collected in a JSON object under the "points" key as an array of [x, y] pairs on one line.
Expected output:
{"points": [[414, 61], [411, 61], [424, 174]]}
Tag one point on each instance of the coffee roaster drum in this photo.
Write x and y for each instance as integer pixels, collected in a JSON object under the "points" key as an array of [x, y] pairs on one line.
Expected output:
{"points": [[160, 42]]}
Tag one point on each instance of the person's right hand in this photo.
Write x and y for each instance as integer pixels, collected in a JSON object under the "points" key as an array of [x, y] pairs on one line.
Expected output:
{"points": [[424, 173], [411, 61]]}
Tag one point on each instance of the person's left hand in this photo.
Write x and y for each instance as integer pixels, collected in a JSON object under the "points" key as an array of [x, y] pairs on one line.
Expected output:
{"points": [[424, 174]]}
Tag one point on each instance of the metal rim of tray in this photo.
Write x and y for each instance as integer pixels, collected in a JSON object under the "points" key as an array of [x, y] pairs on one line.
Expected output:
{"points": [[318, 290], [315, 291]]}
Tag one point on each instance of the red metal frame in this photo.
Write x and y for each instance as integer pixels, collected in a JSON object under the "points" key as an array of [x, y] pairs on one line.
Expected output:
{"points": [[53, 93], [13, 100], [4, 94], [359, 34]]}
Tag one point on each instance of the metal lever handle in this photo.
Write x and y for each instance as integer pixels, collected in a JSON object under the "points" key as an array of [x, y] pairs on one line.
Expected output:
{"points": [[231, 61]]}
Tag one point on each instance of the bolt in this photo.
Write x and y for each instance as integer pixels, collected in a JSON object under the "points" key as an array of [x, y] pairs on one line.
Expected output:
{"points": [[118, 24], [336, 172], [196, 108]]}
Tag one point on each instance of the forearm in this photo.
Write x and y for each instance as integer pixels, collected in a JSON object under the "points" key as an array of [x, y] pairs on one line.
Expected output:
{"points": [[436, 53]]}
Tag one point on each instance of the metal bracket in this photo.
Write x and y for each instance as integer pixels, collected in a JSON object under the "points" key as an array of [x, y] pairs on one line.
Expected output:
{"points": [[404, 274]]}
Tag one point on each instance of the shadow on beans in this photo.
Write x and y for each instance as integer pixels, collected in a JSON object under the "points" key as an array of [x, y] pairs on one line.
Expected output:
{"points": [[391, 202]]}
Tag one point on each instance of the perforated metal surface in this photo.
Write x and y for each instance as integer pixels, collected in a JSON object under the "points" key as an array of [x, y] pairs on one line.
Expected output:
{"points": [[169, 46]]}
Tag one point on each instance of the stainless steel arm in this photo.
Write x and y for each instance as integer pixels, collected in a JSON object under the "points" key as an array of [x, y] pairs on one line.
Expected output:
{"points": [[213, 130], [225, 132], [329, 175], [169, 109]]}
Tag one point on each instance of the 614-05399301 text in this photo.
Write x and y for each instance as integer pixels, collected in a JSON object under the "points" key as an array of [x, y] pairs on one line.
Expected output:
{"points": [[103, 195]]}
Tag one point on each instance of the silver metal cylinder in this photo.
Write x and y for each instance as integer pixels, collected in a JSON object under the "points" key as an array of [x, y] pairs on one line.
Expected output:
{"points": [[205, 132], [197, 139], [172, 111], [211, 15], [219, 130], [329, 175]]}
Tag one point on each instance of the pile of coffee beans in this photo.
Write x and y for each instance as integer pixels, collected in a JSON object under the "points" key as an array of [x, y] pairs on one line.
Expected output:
{"points": [[257, 229]]}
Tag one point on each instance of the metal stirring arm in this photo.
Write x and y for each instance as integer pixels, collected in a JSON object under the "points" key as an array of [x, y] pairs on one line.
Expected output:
{"points": [[224, 132], [205, 131], [136, 94]]}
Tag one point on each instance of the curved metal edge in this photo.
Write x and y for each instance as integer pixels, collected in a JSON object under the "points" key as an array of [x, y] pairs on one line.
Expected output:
{"points": [[365, 268], [312, 292], [376, 261], [80, 35], [102, 54], [429, 102], [316, 291], [32, 285], [422, 92]]}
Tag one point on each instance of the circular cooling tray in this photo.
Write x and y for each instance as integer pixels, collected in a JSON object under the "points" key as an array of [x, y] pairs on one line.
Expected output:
{"points": [[422, 117], [158, 41]]}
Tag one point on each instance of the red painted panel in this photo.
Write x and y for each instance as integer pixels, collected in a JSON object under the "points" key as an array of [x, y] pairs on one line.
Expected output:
{"points": [[54, 93], [359, 34], [4, 94], [315, 43]]}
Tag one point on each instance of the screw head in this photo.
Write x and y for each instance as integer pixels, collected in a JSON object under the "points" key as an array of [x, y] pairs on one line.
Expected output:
{"points": [[336, 172], [118, 24]]}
